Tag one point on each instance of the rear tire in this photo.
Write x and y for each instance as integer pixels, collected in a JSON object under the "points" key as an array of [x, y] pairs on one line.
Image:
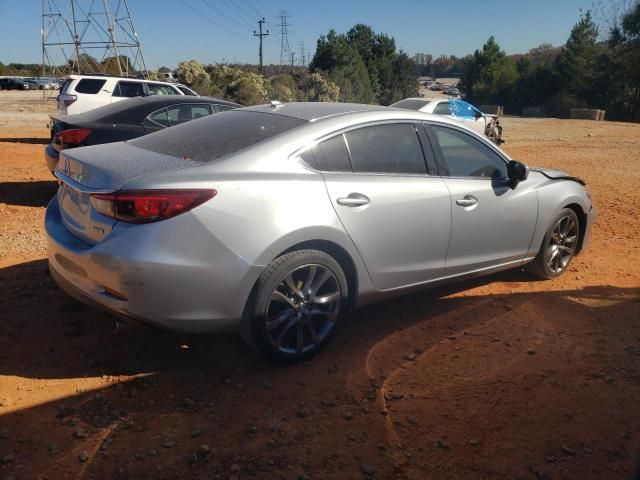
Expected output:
{"points": [[558, 246], [296, 305]]}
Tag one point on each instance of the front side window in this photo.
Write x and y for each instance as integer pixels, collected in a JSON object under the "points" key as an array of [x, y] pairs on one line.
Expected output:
{"points": [[390, 148], [128, 89], [464, 110], [464, 156], [187, 91], [328, 156], [160, 89]]}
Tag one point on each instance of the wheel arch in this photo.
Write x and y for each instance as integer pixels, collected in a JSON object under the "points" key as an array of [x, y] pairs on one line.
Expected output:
{"points": [[341, 256], [582, 223]]}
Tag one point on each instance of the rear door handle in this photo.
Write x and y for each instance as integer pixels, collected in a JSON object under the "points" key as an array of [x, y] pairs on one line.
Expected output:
{"points": [[353, 200], [467, 201]]}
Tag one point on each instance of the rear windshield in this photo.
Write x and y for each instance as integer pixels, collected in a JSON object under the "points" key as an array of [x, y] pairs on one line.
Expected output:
{"points": [[217, 136], [410, 104], [90, 85]]}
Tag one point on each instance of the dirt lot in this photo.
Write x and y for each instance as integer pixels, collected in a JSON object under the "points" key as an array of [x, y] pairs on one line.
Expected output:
{"points": [[28, 101], [507, 377]]}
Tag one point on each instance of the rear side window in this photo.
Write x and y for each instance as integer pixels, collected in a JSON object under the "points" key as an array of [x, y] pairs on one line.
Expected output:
{"points": [[160, 117], [392, 148], [223, 108], [183, 113], [442, 109], [217, 136], [128, 89], [65, 86], [329, 156], [411, 104], [90, 85]]}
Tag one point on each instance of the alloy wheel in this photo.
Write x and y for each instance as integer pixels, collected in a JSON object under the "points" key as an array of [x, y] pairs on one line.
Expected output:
{"points": [[562, 244], [303, 309]]}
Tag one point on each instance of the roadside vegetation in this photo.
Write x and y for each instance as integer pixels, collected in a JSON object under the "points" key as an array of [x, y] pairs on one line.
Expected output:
{"points": [[586, 72], [594, 69]]}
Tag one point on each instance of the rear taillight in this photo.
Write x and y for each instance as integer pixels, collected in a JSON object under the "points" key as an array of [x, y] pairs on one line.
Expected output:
{"points": [[145, 206], [69, 99], [72, 136]]}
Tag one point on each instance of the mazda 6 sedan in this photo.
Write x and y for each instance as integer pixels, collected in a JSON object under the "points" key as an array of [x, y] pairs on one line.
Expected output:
{"points": [[279, 219]]}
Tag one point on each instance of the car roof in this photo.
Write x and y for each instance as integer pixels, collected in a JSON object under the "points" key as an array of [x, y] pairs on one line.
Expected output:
{"points": [[312, 111], [116, 77], [128, 108]]}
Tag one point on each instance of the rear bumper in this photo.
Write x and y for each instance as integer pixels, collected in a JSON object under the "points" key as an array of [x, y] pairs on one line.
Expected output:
{"points": [[51, 156], [164, 275]]}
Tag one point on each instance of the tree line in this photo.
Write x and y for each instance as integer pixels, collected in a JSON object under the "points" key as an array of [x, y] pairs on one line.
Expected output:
{"points": [[587, 72]]}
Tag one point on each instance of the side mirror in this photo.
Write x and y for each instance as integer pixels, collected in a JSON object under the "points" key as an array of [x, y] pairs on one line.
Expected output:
{"points": [[477, 114], [517, 172]]}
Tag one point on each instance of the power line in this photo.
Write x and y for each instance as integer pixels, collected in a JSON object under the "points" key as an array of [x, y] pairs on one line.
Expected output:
{"points": [[260, 35], [225, 15], [210, 20], [239, 12]]}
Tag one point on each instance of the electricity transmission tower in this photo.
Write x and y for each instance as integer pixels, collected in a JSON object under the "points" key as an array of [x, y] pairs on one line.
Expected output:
{"points": [[90, 36], [284, 38], [260, 34], [303, 56]]}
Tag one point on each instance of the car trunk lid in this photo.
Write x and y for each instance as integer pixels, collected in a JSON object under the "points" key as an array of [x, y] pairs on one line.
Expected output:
{"points": [[102, 169]]}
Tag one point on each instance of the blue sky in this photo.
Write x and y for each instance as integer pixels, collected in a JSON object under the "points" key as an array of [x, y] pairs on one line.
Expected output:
{"points": [[174, 30]]}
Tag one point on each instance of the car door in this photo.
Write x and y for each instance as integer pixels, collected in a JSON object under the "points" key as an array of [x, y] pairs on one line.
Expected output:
{"points": [[492, 223], [397, 215]]}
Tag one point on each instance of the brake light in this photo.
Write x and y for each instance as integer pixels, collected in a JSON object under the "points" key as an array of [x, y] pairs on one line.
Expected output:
{"points": [[72, 136], [145, 206], [69, 99]]}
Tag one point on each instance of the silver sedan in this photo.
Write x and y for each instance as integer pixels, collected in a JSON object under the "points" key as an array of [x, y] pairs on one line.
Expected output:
{"points": [[279, 219]]}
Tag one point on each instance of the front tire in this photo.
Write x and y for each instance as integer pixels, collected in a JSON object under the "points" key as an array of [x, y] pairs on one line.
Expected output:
{"points": [[558, 247], [296, 305]]}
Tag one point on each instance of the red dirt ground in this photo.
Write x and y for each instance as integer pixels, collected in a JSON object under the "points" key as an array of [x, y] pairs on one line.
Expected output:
{"points": [[505, 377]]}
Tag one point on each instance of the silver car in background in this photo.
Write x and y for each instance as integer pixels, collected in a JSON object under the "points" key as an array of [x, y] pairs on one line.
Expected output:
{"points": [[459, 110], [279, 219]]}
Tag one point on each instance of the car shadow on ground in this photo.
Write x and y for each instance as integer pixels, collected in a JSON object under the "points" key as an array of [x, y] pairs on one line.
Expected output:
{"points": [[25, 140], [155, 404], [28, 194]]}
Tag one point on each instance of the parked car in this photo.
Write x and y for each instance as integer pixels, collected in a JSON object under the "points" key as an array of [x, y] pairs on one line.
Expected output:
{"points": [[40, 84], [459, 110], [14, 83], [279, 219], [81, 93], [436, 87], [452, 91], [125, 120]]}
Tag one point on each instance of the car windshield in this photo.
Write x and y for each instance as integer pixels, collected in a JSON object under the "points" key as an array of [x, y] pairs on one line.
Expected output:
{"points": [[217, 136]]}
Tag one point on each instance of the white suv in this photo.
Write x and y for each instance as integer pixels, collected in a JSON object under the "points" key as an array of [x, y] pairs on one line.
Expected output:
{"points": [[85, 92]]}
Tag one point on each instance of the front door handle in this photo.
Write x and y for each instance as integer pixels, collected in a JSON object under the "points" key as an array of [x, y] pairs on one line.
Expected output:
{"points": [[353, 200], [467, 201]]}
